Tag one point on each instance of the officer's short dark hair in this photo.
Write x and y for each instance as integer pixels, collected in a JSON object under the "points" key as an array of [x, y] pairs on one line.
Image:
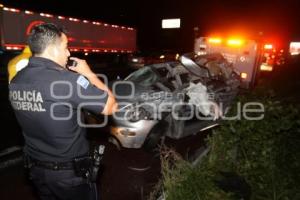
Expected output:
{"points": [[43, 35]]}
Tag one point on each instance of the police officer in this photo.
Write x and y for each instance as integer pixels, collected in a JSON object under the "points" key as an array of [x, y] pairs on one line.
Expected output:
{"points": [[47, 99]]}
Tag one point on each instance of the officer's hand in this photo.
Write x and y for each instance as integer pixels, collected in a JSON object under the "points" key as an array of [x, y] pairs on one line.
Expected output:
{"points": [[82, 67]]}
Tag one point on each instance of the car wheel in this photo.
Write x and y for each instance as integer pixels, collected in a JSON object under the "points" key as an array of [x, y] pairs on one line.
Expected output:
{"points": [[155, 136], [115, 141]]}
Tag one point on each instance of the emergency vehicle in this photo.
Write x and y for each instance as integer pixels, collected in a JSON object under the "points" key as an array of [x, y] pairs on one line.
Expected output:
{"points": [[272, 56], [248, 57]]}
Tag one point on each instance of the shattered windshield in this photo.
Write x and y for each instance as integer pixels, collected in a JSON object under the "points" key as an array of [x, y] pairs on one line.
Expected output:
{"points": [[144, 77]]}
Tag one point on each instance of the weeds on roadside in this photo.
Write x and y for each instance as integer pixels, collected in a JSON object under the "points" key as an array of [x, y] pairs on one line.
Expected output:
{"points": [[265, 153]]}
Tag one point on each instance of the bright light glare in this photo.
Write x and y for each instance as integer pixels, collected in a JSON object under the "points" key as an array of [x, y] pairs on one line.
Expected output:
{"points": [[215, 40], [268, 46], [235, 42], [244, 75], [295, 48], [171, 23], [265, 67]]}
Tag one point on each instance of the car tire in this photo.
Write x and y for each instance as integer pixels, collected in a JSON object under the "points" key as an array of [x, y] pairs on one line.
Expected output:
{"points": [[116, 142], [155, 136]]}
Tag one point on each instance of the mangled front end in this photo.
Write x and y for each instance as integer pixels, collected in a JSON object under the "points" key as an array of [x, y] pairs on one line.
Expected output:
{"points": [[175, 99]]}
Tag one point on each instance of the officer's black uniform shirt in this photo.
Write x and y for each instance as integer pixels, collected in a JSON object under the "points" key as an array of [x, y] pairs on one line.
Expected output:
{"points": [[47, 99]]}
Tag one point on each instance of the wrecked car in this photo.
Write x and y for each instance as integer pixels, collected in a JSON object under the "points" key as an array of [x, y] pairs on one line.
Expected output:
{"points": [[173, 99]]}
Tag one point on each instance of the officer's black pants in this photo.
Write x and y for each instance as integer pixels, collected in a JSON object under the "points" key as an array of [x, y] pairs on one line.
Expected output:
{"points": [[62, 185]]}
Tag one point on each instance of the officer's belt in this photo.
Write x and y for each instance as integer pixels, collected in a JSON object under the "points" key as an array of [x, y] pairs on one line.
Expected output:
{"points": [[52, 165]]}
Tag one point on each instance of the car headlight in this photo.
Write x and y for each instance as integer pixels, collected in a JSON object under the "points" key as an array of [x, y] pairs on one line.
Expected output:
{"points": [[135, 114]]}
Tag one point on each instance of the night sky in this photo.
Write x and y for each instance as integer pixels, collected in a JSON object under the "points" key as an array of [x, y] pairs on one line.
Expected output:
{"points": [[276, 20]]}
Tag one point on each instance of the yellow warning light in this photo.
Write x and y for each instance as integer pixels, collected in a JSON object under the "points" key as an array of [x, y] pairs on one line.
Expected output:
{"points": [[268, 46], [215, 40], [265, 67], [235, 42], [244, 75]]}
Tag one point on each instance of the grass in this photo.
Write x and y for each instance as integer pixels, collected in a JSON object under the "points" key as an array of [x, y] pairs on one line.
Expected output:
{"points": [[257, 160]]}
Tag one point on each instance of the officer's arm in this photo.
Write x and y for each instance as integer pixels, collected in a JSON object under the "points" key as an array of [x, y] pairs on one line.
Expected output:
{"points": [[83, 69], [111, 104]]}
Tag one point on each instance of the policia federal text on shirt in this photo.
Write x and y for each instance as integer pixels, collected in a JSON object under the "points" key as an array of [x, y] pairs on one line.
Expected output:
{"points": [[47, 98]]}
